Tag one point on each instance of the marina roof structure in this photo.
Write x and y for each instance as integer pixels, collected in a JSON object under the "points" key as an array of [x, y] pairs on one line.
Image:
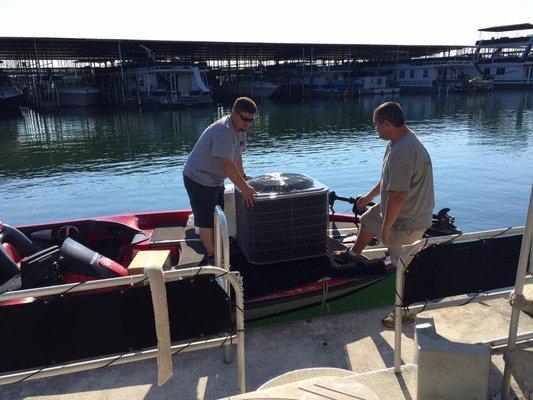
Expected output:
{"points": [[507, 28], [100, 50]]}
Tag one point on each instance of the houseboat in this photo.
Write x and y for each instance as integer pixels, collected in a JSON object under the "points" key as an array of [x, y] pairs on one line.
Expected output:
{"points": [[166, 84], [504, 58], [502, 61]]}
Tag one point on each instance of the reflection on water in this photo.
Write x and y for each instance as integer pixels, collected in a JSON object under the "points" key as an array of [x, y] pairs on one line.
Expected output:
{"points": [[86, 162]]}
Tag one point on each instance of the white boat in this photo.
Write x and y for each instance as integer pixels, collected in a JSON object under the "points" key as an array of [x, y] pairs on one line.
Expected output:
{"points": [[167, 85], [10, 95], [75, 94], [505, 58], [437, 74], [328, 83]]}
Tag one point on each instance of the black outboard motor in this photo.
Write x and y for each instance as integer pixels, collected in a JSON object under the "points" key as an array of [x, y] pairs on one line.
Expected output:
{"points": [[80, 263], [443, 225]]}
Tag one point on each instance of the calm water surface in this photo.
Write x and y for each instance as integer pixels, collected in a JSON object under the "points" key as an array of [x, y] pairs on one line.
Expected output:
{"points": [[88, 162]]}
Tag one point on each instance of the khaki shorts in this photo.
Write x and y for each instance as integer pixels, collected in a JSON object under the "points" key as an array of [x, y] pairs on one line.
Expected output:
{"points": [[373, 221]]}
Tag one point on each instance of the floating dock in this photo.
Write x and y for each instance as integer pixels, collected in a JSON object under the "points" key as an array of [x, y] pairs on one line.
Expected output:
{"points": [[355, 346]]}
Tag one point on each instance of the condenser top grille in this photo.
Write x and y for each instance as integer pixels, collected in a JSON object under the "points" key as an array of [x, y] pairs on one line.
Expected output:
{"points": [[284, 183]]}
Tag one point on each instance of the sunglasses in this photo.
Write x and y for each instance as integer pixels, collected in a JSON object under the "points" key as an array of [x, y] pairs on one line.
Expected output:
{"points": [[245, 119]]}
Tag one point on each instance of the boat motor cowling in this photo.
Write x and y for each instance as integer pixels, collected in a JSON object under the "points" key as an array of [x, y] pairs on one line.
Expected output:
{"points": [[80, 263]]}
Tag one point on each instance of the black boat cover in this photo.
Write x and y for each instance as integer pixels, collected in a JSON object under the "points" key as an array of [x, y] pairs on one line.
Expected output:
{"points": [[451, 269], [77, 326]]}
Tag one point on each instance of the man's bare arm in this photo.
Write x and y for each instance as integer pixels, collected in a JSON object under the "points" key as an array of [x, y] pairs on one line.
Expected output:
{"points": [[248, 193], [240, 166]]}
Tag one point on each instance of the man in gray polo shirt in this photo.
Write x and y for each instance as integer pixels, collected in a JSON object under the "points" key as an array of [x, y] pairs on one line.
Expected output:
{"points": [[406, 190], [216, 156]]}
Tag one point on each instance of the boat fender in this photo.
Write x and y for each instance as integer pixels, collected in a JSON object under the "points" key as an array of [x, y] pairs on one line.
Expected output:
{"points": [[83, 263], [17, 239]]}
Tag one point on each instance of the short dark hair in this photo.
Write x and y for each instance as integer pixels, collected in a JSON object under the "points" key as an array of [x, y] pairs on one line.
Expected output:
{"points": [[245, 104], [389, 111]]}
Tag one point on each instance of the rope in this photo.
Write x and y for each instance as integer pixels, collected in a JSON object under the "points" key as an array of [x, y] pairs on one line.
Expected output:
{"points": [[188, 344], [46, 298], [325, 288], [113, 360], [226, 339], [451, 240], [34, 373], [425, 305], [197, 273], [461, 234], [498, 234], [401, 299], [471, 299]]}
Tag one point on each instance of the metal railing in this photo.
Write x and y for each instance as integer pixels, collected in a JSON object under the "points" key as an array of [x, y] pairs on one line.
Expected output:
{"points": [[526, 256], [409, 251], [222, 260], [222, 256], [232, 280]]}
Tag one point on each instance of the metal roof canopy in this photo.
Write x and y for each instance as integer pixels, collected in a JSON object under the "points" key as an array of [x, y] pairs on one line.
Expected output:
{"points": [[507, 28], [96, 50]]}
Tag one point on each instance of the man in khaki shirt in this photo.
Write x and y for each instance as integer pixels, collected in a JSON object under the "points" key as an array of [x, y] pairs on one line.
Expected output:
{"points": [[406, 190]]}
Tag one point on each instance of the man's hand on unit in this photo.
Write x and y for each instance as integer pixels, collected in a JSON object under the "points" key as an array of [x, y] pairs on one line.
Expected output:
{"points": [[248, 195]]}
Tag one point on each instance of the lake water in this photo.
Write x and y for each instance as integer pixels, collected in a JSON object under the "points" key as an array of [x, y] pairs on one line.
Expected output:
{"points": [[90, 162]]}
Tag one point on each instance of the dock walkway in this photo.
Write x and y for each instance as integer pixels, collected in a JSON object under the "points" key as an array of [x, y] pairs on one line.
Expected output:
{"points": [[355, 342]]}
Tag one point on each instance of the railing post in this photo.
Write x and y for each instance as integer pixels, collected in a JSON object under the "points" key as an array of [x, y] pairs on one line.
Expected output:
{"points": [[398, 315], [406, 256], [222, 257], [521, 272]]}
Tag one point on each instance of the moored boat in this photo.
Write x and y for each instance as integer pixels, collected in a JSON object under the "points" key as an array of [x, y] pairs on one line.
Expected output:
{"points": [[10, 95], [270, 289], [293, 278], [301, 276], [76, 94]]}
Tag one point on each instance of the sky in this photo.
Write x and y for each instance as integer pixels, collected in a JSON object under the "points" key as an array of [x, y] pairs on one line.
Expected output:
{"points": [[444, 22]]}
